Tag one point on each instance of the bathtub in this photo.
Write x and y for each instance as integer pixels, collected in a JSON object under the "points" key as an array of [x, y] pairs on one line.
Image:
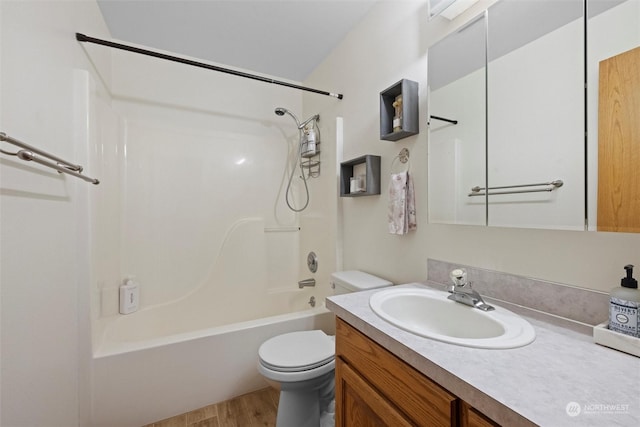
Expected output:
{"points": [[147, 369]]}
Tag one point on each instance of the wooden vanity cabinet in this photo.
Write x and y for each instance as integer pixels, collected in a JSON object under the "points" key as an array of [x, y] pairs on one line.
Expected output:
{"points": [[375, 388]]}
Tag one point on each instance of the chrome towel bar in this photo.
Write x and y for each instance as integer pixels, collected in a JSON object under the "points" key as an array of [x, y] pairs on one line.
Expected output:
{"points": [[29, 153], [548, 186]]}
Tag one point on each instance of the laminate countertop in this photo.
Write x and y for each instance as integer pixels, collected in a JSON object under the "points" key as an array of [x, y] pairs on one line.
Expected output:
{"points": [[561, 379]]}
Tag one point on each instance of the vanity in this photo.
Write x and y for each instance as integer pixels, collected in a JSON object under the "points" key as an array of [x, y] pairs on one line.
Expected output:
{"points": [[374, 387], [388, 376]]}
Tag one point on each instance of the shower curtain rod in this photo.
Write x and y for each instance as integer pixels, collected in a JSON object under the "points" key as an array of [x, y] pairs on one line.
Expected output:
{"points": [[83, 38]]}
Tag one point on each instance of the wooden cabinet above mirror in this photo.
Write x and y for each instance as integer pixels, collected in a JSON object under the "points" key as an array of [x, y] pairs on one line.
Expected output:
{"points": [[619, 143]]}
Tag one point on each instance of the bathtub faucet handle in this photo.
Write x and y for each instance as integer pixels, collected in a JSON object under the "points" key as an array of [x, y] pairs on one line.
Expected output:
{"points": [[306, 282]]}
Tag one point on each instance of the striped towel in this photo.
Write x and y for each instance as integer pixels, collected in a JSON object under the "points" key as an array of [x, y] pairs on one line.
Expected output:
{"points": [[402, 204]]}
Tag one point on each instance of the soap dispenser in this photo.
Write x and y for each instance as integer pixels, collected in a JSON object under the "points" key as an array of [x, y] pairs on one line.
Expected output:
{"points": [[624, 306]]}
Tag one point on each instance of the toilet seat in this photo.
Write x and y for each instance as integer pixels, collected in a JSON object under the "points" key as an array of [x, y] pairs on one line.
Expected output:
{"points": [[297, 351]]}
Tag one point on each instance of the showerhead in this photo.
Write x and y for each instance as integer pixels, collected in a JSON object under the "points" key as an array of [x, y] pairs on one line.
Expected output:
{"points": [[281, 111]]}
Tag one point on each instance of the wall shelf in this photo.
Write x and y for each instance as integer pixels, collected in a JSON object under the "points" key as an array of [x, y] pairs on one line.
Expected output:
{"points": [[368, 164], [409, 123]]}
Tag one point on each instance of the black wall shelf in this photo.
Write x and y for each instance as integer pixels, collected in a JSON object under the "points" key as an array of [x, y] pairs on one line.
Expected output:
{"points": [[372, 167], [409, 91]]}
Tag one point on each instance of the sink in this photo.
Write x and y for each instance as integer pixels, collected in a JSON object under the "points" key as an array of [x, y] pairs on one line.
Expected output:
{"points": [[428, 313]]}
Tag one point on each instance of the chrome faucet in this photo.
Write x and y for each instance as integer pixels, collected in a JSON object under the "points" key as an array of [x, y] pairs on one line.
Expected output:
{"points": [[462, 292], [306, 282]]}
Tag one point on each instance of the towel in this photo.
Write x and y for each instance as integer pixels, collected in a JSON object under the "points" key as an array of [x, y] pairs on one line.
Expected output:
{"points": [[402, 204]]}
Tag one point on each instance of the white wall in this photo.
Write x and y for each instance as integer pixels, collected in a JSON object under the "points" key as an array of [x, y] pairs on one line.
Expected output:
{"points": [[389, 44], [44, 372]]}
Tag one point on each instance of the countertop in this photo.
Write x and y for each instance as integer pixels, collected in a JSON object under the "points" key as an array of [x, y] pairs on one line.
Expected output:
{"points": [[561, 379]]}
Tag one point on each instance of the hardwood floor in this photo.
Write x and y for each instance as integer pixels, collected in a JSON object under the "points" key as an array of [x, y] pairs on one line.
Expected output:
{"points": [[257, 409]]}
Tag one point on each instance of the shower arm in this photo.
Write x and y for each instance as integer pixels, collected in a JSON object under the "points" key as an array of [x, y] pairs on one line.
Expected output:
{"points": [[310, 119]]}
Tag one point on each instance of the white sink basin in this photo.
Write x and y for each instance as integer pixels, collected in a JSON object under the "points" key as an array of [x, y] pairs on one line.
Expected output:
{"points": [[428, 313]]}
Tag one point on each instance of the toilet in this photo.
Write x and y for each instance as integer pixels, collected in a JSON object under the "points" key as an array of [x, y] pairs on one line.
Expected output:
{"points": [[303, 362]]}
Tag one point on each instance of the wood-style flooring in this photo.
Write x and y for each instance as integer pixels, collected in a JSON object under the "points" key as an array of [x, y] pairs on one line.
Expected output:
{"points": [[257, 409]]}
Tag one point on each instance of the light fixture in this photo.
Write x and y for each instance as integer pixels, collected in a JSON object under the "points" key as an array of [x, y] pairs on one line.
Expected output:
{"points": [[449, 8]]}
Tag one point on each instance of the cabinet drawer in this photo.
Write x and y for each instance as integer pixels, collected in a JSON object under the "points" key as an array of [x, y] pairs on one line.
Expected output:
{"points": [[422, 400]]}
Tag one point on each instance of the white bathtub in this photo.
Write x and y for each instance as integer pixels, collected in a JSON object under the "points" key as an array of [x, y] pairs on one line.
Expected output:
{"points": [[147, 368]]}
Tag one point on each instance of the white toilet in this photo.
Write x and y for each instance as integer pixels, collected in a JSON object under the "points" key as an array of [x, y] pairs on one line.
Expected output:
{"points": [[304, 362]]}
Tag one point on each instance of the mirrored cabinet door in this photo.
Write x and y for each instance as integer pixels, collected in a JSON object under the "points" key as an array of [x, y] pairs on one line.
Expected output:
{"points": [[536, 104], [457, 125]]}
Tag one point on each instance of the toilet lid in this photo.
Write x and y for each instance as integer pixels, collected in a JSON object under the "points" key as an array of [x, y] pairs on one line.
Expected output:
{"points": [[297, 351]]}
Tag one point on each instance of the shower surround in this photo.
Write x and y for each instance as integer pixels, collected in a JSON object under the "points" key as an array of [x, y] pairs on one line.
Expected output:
{"points": [[193, 168]]}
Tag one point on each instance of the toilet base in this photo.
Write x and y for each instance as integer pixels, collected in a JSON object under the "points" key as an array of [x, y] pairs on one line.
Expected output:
{"points": [[302, 403]]}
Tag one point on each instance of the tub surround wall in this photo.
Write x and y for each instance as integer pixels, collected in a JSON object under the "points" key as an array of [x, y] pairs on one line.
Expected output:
{"points": [[193, 200], [202, 167]]}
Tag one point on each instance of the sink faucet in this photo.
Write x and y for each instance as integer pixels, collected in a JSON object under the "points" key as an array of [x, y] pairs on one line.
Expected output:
{"points": [[462, 292]]}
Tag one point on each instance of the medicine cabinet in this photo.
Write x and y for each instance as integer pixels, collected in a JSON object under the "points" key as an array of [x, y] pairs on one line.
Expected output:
{"points": [[524, 150], [360, 176]]}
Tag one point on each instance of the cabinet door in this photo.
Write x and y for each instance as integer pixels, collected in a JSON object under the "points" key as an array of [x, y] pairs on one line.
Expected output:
{"points": [[360, 405], [619, 143], [472, 418], [421, 400]]}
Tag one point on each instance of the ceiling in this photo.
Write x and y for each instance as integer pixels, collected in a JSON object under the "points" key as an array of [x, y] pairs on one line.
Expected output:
{"points": [[280, 38]]}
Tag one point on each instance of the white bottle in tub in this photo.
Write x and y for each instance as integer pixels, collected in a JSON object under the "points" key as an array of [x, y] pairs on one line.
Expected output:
{"points": [[129, 296]]}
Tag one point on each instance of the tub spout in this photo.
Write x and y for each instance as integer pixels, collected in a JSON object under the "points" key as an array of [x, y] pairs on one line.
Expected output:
{"points": [[306, 282]]}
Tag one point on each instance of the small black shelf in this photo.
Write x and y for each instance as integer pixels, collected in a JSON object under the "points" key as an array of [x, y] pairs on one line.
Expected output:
{"points": [[409, 91], [372, 167]]}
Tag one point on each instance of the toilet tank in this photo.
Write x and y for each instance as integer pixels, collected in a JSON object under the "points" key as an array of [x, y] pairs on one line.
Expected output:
{"points": [[344, 282]]}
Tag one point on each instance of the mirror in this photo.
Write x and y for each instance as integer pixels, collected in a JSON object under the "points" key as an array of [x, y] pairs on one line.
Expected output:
{"points": [[536, 107], [533, 118], [457, 124]]}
